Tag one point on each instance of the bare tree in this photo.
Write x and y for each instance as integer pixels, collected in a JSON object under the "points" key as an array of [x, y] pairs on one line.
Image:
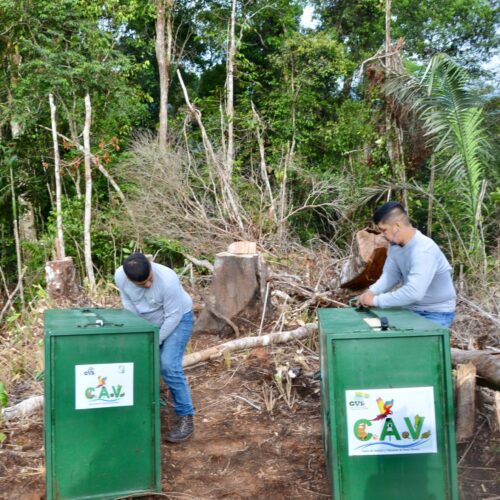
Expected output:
{"points": [[60, 252], [88, 195], [231, 62]]}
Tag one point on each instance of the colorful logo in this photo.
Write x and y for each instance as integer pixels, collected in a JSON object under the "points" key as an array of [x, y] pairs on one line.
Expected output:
{"points": [[101, 393], [392, 434]]}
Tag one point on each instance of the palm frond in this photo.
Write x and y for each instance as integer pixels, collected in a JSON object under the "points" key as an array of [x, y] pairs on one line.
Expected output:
{"points": [[454, 127]]}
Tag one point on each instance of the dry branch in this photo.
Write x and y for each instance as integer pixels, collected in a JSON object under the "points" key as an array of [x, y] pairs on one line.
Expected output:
{"points": [[10, 298], [248, 343], [486, 314], [200, 262], [98, 164]]}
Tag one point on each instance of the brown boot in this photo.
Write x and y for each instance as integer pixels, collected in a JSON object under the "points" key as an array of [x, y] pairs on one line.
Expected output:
{"points": [[184, 429]]}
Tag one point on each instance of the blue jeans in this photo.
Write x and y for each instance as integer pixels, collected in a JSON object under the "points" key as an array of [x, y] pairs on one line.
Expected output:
{"points": [[441, 318], [171, 352]]}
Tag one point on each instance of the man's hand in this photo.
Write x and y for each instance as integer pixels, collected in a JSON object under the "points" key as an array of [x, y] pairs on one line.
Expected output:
{"points": [[366, 299]]}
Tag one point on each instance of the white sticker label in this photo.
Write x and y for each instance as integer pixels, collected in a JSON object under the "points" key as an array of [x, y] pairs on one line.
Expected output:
{"points": [[391, 421], [104, 385]]}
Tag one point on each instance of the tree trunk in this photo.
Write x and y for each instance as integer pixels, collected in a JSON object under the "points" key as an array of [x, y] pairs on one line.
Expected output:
{"points": [[61, 279], [16, 238], [237, 294], [89, 266], [231, 62], [365, 266], [164, 58], [60, 252]]}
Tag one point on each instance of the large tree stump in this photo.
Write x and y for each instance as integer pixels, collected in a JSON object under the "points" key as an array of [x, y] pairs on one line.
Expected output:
{"points": [[61, 279], [369, 252], [237, 294]]}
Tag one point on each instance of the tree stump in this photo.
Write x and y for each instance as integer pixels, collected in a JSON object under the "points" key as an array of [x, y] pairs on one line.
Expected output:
{"points": [[466, 402], [61, 279], [237, 294], [365, 266]]}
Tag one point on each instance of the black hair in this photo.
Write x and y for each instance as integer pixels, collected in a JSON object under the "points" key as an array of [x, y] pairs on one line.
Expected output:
{"points": [[137, 267], [386, 210]]}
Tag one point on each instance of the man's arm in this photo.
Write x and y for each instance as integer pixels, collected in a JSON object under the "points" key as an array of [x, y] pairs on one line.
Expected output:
{"points": [[120, 283], [420, 277], [172, 293], [390, 277]]}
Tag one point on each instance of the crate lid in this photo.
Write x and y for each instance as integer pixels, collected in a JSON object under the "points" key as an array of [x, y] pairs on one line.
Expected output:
{"points": [[354, 320], [93, 320]]}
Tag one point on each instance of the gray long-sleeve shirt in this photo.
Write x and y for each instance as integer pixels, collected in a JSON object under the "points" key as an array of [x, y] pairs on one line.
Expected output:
{"points": [[163, 304], [425, 274]]}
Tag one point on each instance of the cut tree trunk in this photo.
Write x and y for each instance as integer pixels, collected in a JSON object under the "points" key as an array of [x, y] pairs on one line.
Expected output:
{"points": [[487, 364], [466, 402], [237, 294], [62, 280], [365, 266]]}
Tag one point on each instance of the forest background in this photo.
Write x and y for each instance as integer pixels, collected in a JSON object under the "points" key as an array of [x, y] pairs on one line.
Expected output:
{"points": [[212, 121]]}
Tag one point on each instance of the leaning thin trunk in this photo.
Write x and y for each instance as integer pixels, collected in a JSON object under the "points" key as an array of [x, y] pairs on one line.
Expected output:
{"points": [[60, 252], [88, 195], [16, 238], [231, 206], [263, 166]]}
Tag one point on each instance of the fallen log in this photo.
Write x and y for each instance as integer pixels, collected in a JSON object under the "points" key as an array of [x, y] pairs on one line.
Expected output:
{"points": [[487, 363], [248, 343], [23, 409], [466, 402]]}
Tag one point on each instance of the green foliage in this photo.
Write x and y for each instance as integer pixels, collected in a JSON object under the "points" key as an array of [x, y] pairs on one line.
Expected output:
{"points": [[454, 124], [4, 398], [459, 28], [314, 115]]}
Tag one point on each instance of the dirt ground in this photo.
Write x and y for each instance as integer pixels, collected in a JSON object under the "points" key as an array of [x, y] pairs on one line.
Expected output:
{"points": [[251, 441]]}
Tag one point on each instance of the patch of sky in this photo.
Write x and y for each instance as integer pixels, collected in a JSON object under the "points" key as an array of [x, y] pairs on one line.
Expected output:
{"points": [[307, 19]]}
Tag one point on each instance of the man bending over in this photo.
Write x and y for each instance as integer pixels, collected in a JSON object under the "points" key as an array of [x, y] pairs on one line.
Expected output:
{"points": [[154, 292]]}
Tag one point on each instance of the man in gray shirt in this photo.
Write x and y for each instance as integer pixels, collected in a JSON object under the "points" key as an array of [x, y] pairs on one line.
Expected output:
{"points": [[154, 292], [415, 262]]}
